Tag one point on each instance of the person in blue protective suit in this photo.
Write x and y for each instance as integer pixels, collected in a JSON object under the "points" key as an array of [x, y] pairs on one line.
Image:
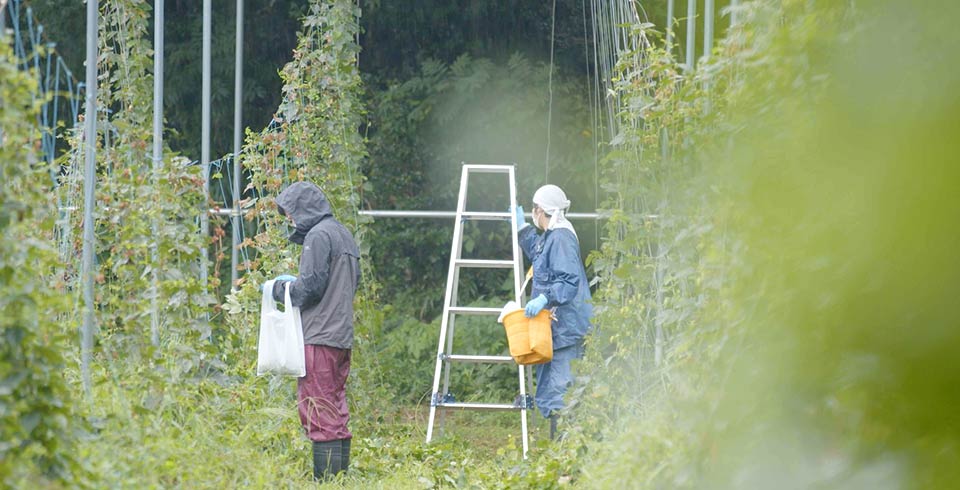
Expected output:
{"points": [[559, 283]]}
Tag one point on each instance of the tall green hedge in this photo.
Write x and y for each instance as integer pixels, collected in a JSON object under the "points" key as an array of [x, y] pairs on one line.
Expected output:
{"points": [[37, 420]]}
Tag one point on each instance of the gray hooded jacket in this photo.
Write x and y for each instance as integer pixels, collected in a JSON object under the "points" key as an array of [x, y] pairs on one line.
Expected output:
{"points": [[329, 267]]}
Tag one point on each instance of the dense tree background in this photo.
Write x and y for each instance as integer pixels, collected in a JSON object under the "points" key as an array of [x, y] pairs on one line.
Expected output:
{"points": [[448, 82], [397, 37]]}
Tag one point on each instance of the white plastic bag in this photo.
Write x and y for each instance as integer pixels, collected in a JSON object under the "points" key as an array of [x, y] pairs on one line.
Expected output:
{"points": [[281, 336]]}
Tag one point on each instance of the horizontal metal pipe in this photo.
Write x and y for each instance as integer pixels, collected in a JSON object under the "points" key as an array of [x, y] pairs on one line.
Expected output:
{"points": [[404, 214], [452, 214]]}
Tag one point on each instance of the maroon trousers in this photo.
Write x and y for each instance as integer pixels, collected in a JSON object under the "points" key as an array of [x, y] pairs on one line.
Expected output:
{"points": [[321, 394]]}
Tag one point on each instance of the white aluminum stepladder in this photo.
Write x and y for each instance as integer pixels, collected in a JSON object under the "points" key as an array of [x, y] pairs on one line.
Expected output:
{"points": [[442, 399]]}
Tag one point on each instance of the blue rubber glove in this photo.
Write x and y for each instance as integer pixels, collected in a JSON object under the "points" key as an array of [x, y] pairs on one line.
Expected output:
{"points": [[536, 305], [521, 224]]}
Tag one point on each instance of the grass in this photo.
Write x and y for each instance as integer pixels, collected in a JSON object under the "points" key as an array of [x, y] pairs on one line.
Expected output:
{"points": [[245, 433]]}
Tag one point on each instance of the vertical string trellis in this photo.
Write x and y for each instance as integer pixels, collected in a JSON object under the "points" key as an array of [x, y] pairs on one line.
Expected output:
{"points": [[628, 66], [553, 26], [58, 89], [314, 134]]}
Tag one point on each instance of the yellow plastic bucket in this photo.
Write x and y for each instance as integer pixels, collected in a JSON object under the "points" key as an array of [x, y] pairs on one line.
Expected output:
{"points": [[530, 339]]}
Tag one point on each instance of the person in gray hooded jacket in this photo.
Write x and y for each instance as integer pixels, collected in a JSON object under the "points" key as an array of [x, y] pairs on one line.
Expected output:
{"points": [[324, 291]]}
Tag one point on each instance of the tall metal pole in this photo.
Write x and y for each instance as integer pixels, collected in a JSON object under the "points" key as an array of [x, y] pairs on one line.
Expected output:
{"points": [[89, 169], [691, 33], [237, 140], [205, 142], [708, 27], [670, 12], [157, 154], [707, 47]]}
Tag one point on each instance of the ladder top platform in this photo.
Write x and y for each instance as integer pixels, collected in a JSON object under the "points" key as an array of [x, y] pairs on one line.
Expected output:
{"points": [[492, 169]]}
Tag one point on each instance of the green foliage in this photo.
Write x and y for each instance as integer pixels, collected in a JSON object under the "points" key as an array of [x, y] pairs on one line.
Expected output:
{"points": [[270, 33], [37, 421], [399, 35], [316, 140], [205, 434], [147, 243], [196, 433], [407, 350], [148, 247], [777, 279], [396, 37], [763, 269]]}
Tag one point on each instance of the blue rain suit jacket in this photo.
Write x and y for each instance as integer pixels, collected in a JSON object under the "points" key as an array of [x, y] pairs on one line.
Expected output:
{"points": [[559, 275]]}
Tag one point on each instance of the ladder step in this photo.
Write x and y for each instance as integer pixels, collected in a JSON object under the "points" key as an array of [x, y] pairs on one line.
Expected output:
{"points": [[474, 310], [479, 359], [479, 215], [484, 264], [479, 406]]}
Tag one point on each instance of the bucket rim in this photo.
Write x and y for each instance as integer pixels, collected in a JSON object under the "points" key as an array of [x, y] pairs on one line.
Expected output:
{"points": [[505, 314]]}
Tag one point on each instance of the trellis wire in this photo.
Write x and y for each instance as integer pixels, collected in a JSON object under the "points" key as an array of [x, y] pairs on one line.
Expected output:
{"points": [[55, 81]]}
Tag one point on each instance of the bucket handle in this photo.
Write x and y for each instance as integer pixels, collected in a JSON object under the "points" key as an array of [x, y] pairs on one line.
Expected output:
{"points": [[526, 281], [553, 311]]}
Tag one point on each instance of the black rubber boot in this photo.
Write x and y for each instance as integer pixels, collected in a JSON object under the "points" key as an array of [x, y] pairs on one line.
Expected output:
{"points": [[327, 460], [345, 454], [553, 427]]}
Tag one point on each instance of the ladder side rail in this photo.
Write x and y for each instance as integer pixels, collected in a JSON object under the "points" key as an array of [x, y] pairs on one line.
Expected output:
{"points": [[514, 234], [451, 328], [454, 253], [517, 275], [454, 300]]}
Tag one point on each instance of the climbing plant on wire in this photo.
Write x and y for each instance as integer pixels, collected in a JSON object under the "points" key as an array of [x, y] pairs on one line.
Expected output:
{"points": [[314, 137], [663, 322], [146, 233]]}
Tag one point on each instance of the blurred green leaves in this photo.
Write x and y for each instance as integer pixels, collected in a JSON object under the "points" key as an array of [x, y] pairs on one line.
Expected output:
{"points": [[37, 421], [804, 263]]}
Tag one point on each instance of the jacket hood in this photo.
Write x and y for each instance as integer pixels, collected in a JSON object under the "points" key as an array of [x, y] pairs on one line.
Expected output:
{"points": [[306, 204]]}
